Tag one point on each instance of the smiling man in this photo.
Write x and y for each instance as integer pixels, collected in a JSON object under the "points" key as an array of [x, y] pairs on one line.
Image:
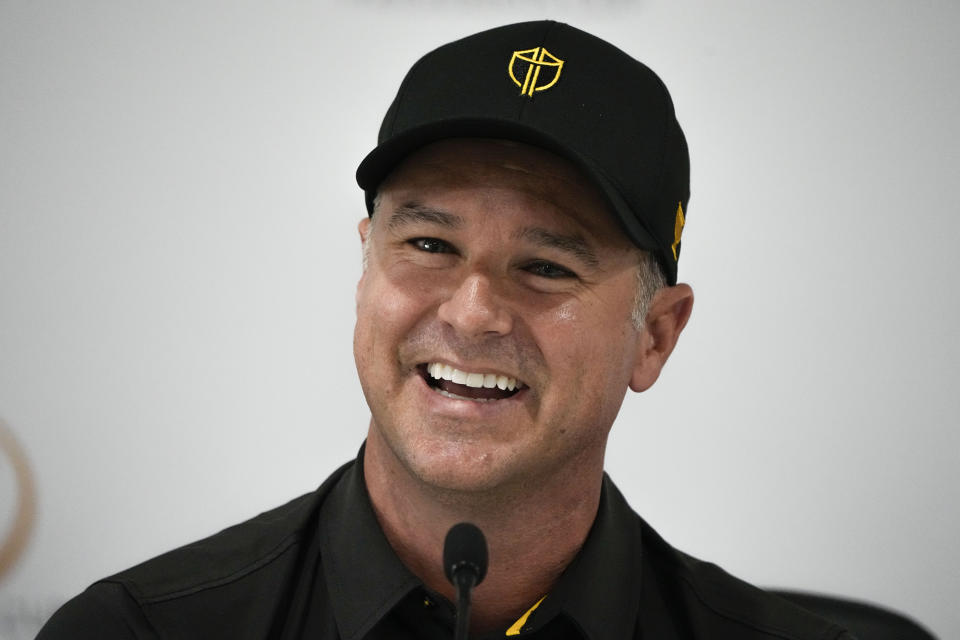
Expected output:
{"points": [[527, 199], [495, 341]]}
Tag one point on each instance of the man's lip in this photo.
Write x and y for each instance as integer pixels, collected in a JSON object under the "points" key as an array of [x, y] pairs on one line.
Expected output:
{"points": [[482, 406]]}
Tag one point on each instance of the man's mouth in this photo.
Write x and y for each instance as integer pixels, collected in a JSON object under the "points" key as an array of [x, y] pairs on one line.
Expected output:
{"points": [[467, 385]]}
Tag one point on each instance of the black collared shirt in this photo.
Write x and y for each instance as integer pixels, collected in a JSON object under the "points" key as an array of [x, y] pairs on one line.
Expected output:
{"points": [[320, 567]]}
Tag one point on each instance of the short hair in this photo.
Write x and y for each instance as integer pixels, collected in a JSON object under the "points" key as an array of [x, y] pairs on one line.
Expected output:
{"points": [[650, 279]]}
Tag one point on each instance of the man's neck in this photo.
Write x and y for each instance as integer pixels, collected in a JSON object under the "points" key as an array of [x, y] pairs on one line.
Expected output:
{"points": [[532, 535]]}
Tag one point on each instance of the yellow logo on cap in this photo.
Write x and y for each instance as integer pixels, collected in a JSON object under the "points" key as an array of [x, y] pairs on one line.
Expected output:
{"points": [[677, 230], [532, 61]]}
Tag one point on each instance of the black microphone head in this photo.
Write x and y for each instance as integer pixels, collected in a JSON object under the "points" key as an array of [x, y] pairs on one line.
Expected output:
{"points": [[465, 549]]}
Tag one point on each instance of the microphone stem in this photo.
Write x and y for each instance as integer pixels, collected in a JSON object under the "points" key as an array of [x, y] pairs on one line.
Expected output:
{"points": [[464, 582]]}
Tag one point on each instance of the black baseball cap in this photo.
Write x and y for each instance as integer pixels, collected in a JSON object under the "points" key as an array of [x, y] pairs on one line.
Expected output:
{"points": [[556, 87]]}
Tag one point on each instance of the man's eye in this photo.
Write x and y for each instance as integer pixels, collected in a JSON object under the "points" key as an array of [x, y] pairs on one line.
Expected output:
{"points": [[549, 270], [431, 245]]}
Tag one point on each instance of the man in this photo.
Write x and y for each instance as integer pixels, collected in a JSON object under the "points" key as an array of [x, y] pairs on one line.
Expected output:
{"points": [[527, 198]]}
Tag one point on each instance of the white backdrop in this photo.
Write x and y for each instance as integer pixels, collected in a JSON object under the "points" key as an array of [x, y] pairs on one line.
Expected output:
{"points": [[178, 253]]}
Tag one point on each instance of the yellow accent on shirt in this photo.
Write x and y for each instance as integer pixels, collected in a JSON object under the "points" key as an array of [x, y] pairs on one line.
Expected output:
{"points": [[514, 630]]}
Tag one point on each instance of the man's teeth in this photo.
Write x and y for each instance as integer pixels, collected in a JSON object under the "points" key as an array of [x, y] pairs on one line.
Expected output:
{"points": [[439, 371]]}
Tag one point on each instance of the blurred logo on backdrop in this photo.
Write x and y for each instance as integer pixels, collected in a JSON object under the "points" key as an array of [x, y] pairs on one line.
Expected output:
{"points": [[17, 501]]}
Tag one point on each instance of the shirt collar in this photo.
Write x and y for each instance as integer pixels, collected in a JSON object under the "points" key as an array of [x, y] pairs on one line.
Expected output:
{"points": [[600, 590], [351, 541]]}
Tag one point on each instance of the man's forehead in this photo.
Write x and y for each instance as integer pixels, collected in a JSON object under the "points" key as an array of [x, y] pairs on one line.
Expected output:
{"points": [[483, 172]]}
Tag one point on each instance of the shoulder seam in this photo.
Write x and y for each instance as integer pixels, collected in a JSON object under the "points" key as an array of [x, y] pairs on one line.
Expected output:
{"points": [[285, 544], [833, 632]]}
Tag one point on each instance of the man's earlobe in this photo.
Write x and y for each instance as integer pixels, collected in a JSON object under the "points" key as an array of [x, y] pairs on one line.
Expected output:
{"points": [[668, 315]]}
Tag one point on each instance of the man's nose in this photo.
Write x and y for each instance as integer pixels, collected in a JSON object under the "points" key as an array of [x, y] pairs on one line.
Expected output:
{"points": [[475, 309]]}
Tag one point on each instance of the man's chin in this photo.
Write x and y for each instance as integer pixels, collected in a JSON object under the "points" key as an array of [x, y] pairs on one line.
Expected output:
{"points": [[449, 455], [459, 468]]}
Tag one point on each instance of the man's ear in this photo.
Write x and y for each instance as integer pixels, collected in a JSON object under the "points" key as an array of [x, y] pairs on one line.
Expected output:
{"points": [[364, 229], [669, 311]]}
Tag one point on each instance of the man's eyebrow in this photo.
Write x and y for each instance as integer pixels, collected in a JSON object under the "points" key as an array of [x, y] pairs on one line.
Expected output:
{"points": [[575, 245], [413, 212]]}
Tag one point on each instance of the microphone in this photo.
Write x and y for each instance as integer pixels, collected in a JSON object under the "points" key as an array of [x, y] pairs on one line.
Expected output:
{"points": [[465, 564]]}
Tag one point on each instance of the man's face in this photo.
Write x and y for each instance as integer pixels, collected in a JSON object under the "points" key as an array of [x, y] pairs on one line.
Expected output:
{"points": [[496, 265]]}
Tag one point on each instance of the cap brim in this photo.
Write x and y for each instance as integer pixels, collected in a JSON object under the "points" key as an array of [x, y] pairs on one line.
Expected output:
{"points": [[386, 156]]}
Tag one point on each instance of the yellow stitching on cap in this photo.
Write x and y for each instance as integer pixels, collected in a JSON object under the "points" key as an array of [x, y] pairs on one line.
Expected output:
{"points": [[533, 85], [527, 75], [517, 54], [514, 630], [536, 60], [677, 230]]}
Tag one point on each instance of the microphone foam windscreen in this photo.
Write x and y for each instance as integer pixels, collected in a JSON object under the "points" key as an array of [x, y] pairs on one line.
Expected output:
{"points": [[465, 547]]}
